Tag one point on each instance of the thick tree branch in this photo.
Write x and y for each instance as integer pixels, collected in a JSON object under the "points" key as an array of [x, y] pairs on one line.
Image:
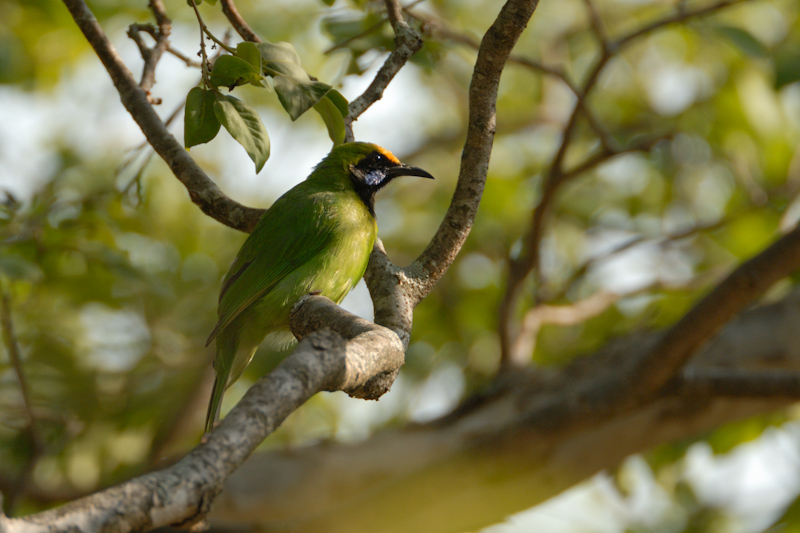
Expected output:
{"points": [[202, 190], [643, 375], [488, 470], [741, 382], [745, 284], [183, 492]]}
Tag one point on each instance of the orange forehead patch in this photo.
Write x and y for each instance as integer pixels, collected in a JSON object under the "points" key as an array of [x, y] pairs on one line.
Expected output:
{"points": [[388, 155]]}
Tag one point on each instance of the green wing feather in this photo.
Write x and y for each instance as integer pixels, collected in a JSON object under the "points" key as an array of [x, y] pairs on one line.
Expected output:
{"points": [[272, 251]]}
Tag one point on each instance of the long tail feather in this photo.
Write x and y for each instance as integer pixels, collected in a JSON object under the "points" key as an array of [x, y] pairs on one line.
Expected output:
{"points": [[215, 403], [226, 350]]}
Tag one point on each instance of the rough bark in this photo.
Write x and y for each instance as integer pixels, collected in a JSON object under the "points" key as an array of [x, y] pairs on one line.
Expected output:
{"points": [[496, 456]]}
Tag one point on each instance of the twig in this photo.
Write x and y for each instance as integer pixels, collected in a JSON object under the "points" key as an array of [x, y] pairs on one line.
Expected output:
{"points": [[634, 241], [682, 14], [14, 355], [205, 66], [407, 43], [238, 23], [12, 347], [562, 315], [345, 42], [135, 29], [183, 57], [441, 29], [152, 56], [597, 26]]}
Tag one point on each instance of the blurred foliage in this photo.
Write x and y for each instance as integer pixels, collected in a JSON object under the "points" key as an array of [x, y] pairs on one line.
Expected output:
{"points": [[113, 283]]}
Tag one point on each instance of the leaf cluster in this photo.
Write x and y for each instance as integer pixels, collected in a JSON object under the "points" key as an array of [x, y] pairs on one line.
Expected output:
{"points": [[207, 109]]}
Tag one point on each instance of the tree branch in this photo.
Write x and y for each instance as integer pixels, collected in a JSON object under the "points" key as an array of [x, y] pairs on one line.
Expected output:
{"points": [[527, 263], [493, 54], [202, 190], [33, 432], [740, 382], [743, 286], [238, 22], [396, 291], [182, 493], [407, 43], [15, 357], [484, 452], [639, 377]]}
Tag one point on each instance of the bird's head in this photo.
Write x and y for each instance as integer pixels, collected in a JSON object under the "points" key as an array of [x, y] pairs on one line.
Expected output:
{"points": [[370, 168]]}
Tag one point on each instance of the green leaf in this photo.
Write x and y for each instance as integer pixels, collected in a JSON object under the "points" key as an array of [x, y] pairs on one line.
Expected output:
{"points": [[339, 101], [333, 119], [200, 124], [297, 91], [230, 71], [250, 53], [281, 58], [787, 65], [744, 41], [18, 268], [244, 125], [212, 2], [296, 96], [328, 2]]}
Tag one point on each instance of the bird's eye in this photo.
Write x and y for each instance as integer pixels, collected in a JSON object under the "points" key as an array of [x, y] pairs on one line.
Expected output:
{"points": [[377, 158]]}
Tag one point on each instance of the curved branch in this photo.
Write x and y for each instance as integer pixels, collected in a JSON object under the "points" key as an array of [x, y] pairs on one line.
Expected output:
{"points": [[493, 54], [642, 376], [238, 22], [527, 262], [407, 43], [469, 454], [202, 190], [743, 286], [396, 291]]}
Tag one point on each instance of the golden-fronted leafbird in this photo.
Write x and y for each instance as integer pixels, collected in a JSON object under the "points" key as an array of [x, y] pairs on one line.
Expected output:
{"points": [[316, 238]]}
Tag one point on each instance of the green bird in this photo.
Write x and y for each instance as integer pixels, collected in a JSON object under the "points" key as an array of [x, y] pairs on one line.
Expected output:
{"points": [[316, 238]]}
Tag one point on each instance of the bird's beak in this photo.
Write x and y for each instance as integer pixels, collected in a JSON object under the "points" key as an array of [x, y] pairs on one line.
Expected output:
{"points": [[406, 170]]}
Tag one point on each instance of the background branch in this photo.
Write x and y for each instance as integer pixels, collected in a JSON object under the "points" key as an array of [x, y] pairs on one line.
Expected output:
{"points": [[527, 261], [741, 382], [500, 438], [22, 481], [407, 43]]}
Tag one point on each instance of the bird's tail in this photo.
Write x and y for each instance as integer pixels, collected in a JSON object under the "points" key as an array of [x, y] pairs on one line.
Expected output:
{"points": [[226, 349], [216, 401]]}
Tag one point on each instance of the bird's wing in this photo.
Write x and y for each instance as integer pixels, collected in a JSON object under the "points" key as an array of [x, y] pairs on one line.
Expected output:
{"points": [[289, 234]]}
